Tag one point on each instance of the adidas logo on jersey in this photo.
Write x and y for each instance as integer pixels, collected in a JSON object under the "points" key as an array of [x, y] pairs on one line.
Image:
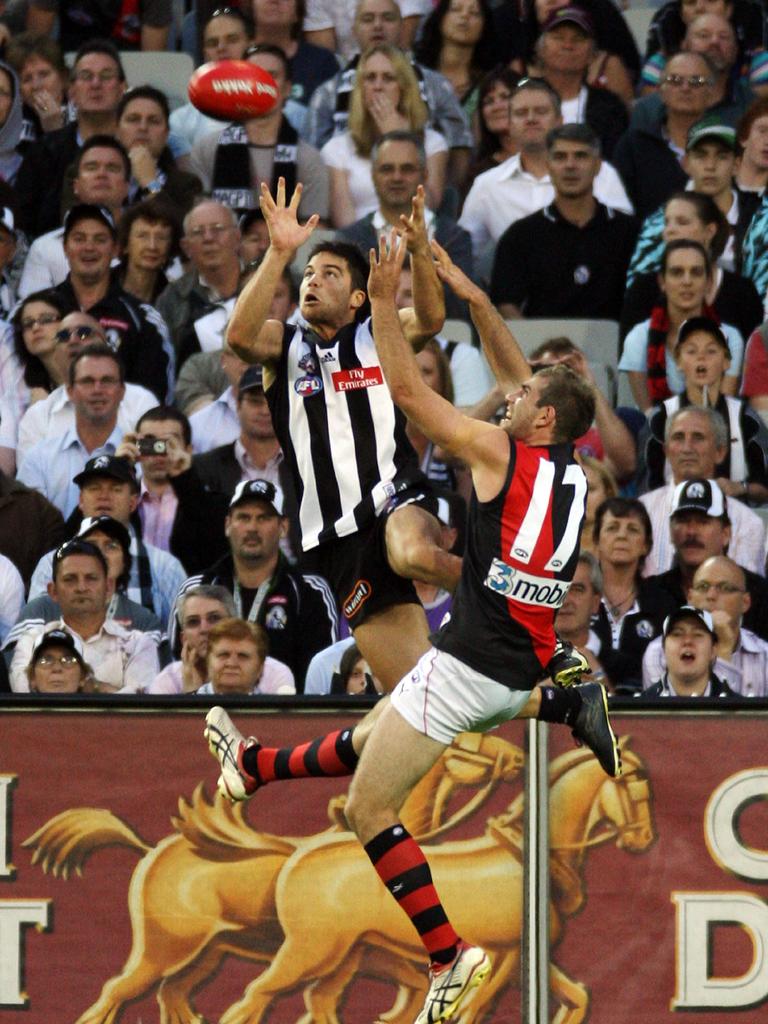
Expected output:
{"points": [[519, 586]]}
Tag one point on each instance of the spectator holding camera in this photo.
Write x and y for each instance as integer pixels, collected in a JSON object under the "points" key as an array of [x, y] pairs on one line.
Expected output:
{"points": [[176, 513]]}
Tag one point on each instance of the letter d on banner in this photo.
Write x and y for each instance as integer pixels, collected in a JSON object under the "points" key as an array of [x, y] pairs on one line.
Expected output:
{"points": [[697, 914]]}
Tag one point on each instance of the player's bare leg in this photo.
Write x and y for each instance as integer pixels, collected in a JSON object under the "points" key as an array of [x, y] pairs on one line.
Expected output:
{"points": [[392, 641], [415, 548], [379, 788]]}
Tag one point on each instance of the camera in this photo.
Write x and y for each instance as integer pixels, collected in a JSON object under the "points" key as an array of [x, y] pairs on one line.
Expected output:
{"points": [[152, 446]]}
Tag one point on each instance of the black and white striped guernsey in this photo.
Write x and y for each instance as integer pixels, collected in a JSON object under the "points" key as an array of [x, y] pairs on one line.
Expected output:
{"points": [[341, 434]]}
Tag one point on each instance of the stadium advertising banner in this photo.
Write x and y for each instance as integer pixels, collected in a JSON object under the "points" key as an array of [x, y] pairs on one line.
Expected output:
{"points": [[129, 893]]}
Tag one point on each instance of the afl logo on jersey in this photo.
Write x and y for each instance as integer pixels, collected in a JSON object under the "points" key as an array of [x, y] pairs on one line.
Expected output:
{"points": [[306, 387], [522, 553]]}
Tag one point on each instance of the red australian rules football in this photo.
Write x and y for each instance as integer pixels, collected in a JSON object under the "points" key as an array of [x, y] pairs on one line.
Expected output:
{"points": [[232, 90]]}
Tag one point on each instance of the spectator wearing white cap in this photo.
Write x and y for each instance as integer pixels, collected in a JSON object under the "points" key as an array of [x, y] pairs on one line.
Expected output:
{"points": [[699, 528], [689, 641], [298, 610], [122, 660]]}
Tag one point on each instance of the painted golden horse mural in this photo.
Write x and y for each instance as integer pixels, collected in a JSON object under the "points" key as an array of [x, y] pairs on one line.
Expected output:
{"points": [[186, 895], [188, 912]]}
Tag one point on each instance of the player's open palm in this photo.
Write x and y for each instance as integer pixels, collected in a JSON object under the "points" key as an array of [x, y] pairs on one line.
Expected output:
{"points": [[286, 234], [386, 266]]}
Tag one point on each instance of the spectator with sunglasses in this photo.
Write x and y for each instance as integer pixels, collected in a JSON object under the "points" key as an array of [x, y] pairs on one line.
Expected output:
{"points": [[54, 415], [134, 329], [649, 157]]}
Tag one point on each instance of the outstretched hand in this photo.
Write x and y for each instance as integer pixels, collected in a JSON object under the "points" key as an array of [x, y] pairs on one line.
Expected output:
{"points": [[451, 275], [384, 276], [285, 232], [414, 228]]}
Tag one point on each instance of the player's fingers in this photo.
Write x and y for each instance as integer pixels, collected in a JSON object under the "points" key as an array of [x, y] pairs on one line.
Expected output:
{"points": [[296, 197], [266, 202], [281, 191]]}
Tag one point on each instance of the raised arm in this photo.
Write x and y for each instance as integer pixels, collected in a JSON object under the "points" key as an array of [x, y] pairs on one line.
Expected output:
{"points": [[438, 419], [507, 362], [254, 337], [427, 316]]}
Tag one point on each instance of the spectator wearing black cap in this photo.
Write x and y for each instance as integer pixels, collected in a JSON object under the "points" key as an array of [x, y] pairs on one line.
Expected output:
{"points": [[685, 278], [114, 541], [298, 610], [255, 453], [720, 587], [122, 660], [196, 307], [108, 486], [100, 175], [565, 51], [58, 665], [703, 356], [553, 262], [699, 527], [98, 82], [695, 441], [135, 330], [689, 641]]}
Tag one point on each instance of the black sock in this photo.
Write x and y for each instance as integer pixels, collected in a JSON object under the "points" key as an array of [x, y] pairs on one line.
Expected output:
{"points": [[559, 705]]}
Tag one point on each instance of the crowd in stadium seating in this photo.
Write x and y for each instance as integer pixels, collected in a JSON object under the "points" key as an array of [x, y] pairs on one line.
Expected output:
{"points": [[150, 539]]}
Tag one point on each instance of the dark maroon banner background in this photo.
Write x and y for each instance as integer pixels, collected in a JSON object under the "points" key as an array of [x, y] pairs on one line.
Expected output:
{"points": [[620, 944]]}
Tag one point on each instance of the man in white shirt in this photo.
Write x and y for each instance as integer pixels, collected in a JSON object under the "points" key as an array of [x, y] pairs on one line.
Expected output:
{"points": [[720, 587], [122, 660], [521, 185], [695, 441], [55, 415]]}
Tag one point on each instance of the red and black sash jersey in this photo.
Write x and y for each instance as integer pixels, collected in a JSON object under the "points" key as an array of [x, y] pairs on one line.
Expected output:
{"points": [[521, 554]]}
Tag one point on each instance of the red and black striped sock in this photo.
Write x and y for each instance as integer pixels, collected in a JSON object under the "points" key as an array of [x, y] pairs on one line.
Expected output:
{"points": [[403, 868], [332, 754]]}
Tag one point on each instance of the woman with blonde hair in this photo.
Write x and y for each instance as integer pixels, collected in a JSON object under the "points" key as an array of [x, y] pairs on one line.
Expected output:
{"points": [[385, 98]]}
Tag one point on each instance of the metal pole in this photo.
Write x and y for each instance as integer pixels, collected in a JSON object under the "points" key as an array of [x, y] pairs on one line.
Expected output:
{"points": [[535, 946]]}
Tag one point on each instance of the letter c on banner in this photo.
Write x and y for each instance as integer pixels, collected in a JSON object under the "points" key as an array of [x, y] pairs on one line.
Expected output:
{"points": [[721, 825]]}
